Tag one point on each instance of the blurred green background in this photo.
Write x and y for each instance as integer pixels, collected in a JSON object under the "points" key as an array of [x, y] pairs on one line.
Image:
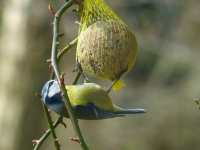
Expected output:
{"points": [[165, 80]]}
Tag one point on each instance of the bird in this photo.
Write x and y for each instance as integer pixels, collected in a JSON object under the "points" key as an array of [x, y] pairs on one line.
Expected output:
{"points": [[106, 48], [89, 101]]}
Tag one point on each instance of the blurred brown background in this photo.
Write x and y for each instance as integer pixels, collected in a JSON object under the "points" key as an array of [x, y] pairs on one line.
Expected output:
{"points": [[165, 80]]}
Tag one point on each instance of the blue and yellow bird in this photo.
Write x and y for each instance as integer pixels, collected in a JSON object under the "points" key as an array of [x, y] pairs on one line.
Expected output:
{"points": [[89, 101]]}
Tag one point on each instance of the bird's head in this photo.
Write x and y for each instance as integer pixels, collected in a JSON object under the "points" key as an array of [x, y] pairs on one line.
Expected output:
{"points": [[50, 89], [51, 96]]}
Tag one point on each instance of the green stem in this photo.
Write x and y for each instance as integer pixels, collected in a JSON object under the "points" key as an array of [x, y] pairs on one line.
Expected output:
{"points": [[54, 60]]}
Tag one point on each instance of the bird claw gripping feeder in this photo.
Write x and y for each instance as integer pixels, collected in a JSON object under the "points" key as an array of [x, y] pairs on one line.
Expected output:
{"points": [[106, 47]]}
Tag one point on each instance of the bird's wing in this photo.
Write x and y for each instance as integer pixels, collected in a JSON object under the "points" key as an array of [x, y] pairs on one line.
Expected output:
{"points": [[89, 93]]}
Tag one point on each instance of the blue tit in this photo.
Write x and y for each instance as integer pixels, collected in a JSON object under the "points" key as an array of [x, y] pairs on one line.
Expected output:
{"points": [[89, 101]]}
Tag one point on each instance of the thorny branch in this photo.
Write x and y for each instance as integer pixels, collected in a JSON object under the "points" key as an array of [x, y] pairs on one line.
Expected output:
{"points": [[39, 142], [54, 62]]}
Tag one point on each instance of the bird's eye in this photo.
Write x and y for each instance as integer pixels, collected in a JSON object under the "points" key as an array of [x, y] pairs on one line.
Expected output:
{"points": [[50, 83]]}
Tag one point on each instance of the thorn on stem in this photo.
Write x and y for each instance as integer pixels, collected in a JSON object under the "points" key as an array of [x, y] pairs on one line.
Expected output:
{"points": [[51, 9], [35, 141], [61, 34], [45, 131], [50, 68], [75, 139], [62, 78], [48, 60]]}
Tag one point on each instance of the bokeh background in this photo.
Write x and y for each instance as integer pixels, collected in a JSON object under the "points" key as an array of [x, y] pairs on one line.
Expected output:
{"points": [[165, 80]]}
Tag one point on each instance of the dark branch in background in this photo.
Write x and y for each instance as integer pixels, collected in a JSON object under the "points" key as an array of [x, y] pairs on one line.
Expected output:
{"points": [[54, 61]]}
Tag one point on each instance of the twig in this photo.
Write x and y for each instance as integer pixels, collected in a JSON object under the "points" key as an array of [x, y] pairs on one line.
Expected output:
{"points": [[40, 141], [66, 48], [50, 122], [55, 45]]}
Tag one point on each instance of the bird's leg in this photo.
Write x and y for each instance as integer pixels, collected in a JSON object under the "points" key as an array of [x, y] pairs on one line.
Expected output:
{"points": [[117, 79], [110, 88], [79, 68], [62, 122], [86, 80]]}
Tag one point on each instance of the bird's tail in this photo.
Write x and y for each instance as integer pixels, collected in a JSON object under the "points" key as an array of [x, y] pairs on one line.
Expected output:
{"points": [[123, 111]]}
